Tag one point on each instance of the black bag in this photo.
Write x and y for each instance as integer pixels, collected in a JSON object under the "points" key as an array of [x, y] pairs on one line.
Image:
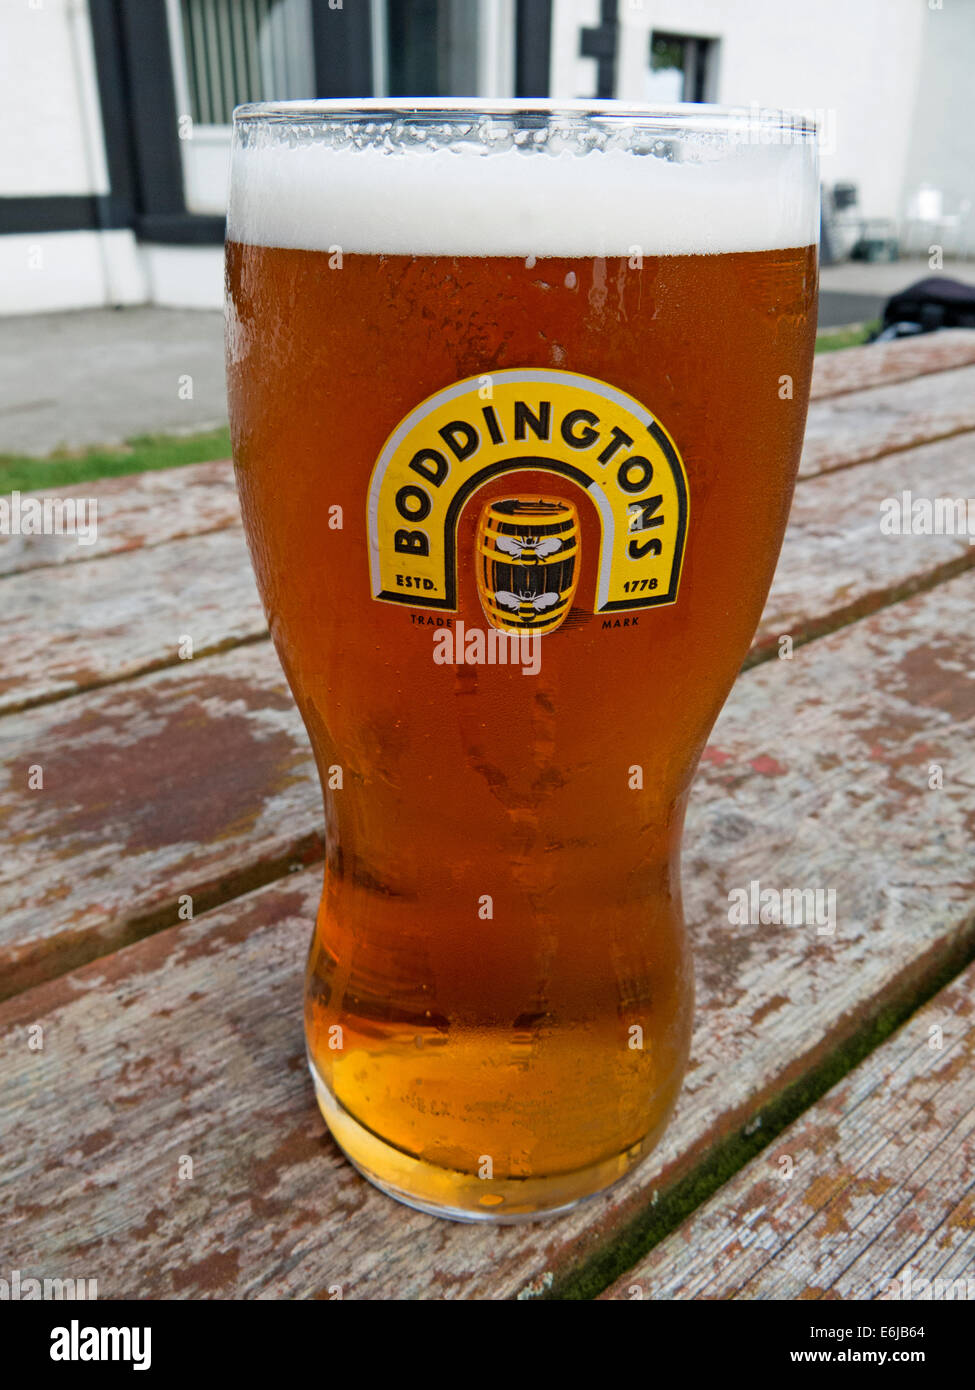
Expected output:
{"points": [[928, 305]]}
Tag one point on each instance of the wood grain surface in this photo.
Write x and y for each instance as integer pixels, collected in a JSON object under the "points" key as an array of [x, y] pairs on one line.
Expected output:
{"points": [[197, 780], [837, 561], [74, 627], [159, 1131], [870, 1195], [189, 1043], [877, 364], [69, 629], [133, 511], [848, 429]]}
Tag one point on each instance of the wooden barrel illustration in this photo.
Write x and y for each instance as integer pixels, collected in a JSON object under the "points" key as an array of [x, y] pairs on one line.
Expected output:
{"points": [[528, 562]]}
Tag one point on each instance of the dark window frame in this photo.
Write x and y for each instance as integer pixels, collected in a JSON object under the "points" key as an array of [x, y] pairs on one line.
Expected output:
{"points": [[134, 68], [698, 55]]}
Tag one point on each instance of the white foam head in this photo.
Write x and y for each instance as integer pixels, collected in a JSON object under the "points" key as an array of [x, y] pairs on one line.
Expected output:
{"points": [[509, 194]]}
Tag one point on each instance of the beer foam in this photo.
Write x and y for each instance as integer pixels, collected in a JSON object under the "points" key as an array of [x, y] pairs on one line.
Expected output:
{"points": [[473, 202]]}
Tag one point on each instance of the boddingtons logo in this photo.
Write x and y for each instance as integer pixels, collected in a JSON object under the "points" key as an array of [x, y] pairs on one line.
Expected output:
{"points": [[585, 433]]}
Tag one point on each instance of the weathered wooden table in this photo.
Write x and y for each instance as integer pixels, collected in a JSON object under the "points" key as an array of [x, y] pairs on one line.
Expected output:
{"points": [[159, 1132]]}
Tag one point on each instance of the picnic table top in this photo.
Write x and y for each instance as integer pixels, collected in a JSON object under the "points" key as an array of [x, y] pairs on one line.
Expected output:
{"points": [[822, 1142]]}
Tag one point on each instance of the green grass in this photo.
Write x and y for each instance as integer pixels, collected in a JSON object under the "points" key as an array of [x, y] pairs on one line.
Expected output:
{"points": [[139, 455], [150, 451], [832, 339]]}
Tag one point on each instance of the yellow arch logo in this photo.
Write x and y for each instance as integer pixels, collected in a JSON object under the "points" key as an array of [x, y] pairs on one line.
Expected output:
{"points": [[573, 427]]}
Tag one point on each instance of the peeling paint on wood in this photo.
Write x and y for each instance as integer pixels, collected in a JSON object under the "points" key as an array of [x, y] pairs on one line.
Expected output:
{"points": [[837, 564], [69, 629], [189, 781], [867, 1195], [876, 364], [73, 627], [132, 511], [867, 424], [189, 1042]]}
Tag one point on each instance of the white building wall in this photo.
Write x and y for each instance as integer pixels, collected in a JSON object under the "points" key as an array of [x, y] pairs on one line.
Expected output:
{"points": [[941, 150], [52, 134], [184, 277], [44, 271], [857, 59], [53, 146], [569, 75], [893, 79]]}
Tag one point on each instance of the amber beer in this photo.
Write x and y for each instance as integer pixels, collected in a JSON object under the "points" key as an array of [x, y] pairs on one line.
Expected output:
{"points": [[553, 388]]}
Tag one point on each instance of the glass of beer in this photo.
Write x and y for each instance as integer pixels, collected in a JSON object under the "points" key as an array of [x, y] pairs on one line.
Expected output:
{"points": [[517, 398]]}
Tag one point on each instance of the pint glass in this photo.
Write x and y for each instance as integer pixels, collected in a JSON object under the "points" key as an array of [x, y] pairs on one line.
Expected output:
{"points": [[517, 399]]}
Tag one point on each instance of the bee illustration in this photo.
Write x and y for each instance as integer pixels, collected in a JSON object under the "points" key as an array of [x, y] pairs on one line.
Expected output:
{"points": [[527, 562], [526, 604], [529, 549]]}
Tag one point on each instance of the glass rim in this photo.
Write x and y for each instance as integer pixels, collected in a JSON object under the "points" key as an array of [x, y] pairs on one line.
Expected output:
{"points": [[698, 117]]}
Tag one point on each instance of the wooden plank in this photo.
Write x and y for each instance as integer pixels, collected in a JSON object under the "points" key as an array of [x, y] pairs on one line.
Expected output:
{"points": [[97, 795], [68, 629], [135, 510], [868, 424], [877, 364], [71, 627], [189, 1042], [871, 1191], [149, 508], [196, 780], [837, 564]]}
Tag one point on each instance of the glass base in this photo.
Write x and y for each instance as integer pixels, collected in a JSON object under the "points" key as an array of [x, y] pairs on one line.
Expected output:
{"points": [[462, 1196]]}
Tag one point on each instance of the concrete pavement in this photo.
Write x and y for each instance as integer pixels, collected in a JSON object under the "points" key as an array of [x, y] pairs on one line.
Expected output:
{"points": [[856, 292], [100, 376]]}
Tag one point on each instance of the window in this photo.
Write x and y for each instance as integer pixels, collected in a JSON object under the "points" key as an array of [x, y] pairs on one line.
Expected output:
{"points": [[446, 48], [230, 51], [431, 48], [681, 68], [242, 50]]}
